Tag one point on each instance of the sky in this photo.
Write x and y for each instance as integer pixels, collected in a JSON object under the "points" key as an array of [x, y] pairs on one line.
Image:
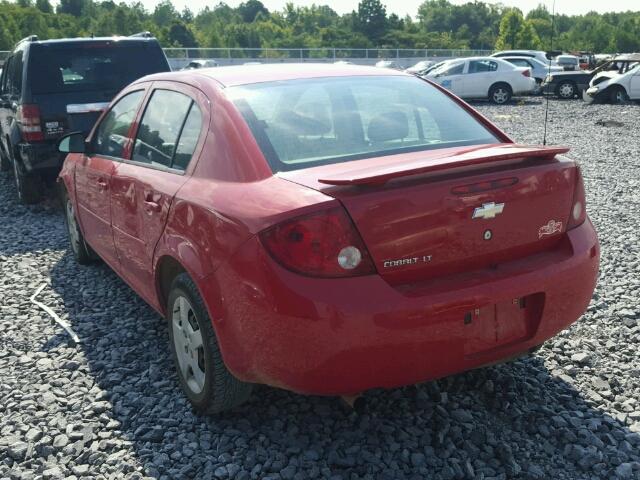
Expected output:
{"points": [[410, 7]]}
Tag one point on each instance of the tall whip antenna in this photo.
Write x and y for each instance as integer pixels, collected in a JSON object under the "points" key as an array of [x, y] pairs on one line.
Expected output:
{"points": [[546, 111]]}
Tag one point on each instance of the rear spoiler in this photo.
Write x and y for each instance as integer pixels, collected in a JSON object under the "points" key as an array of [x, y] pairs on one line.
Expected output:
{"points": [[473, 156]]}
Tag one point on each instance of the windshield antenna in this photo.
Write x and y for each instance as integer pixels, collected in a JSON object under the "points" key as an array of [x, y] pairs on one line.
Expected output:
{"points": [[546, 110]]}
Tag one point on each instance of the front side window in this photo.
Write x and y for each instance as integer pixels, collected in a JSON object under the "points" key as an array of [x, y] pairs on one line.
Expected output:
{"points": [[162, 123], [304, 123], [113, 132], [448, 70]]}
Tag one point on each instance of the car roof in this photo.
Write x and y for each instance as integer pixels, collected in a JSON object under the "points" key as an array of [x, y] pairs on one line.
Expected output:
{"points": [[248, 74]]}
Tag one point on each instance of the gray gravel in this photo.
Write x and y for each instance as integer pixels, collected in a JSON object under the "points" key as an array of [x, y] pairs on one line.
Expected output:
{"points": [[110, 406]]}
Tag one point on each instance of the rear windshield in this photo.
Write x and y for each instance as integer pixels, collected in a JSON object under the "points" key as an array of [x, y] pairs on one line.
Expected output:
{"points": [[91, 66], [304, 123]]}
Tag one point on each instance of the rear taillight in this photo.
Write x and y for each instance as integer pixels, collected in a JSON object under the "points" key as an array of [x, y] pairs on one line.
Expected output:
{"points": [[527, 73], [323, 244], [28, 118], [578, 213]]}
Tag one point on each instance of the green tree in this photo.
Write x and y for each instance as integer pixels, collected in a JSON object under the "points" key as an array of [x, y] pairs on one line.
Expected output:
{"points": [[44, 6], [527, 37], [371, 19], [250, 9], [510, 25], [180, 36], [164, 13], [72, 7]]}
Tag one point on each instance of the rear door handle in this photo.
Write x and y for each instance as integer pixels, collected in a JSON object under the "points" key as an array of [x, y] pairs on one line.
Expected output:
{"points": [[102, 185], [151, 206]]}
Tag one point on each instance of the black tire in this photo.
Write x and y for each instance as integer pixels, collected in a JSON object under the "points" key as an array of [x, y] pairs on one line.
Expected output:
{"points": [[28, 186], [81, 251], [500, 93], [218, 390], [618, 95], [566, 90], [5, 161]]}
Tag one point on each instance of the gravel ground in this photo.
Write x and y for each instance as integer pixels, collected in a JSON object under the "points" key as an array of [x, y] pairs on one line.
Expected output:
{"points": [[110, 406]]}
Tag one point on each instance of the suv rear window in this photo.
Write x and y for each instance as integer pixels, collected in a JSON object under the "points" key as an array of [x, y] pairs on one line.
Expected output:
{"points": [[91, 66]]}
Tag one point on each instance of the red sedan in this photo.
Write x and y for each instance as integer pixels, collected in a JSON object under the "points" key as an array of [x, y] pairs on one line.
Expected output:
{"points": [[327, 229]]}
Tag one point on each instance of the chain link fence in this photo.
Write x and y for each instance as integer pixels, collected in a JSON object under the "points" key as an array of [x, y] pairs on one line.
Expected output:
{"points": [[178, 57], [318, 53]]}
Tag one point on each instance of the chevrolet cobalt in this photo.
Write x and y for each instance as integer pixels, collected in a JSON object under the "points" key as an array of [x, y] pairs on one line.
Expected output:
{"points": [[327, 229]]}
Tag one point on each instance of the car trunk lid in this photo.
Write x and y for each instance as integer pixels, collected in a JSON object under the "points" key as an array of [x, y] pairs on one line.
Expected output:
{"points": [[429, 214]]}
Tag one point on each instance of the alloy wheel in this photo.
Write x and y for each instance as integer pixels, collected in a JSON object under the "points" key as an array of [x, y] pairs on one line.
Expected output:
{"points": [[72, 227], [566, 90], [188, 344], [500, 95]]}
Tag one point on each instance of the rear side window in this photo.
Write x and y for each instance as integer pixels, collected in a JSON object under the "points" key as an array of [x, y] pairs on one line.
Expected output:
{"points": [[91, 66], [169, 130], [188, 138], [112, 134], [13, 79], [481, 66]]}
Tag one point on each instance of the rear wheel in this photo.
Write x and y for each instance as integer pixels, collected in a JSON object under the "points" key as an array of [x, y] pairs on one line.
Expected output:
{"points": [[82, 252], [5, 162], [28, 186], [500, 93], [618, 95], [566, 90], [203, 376]]}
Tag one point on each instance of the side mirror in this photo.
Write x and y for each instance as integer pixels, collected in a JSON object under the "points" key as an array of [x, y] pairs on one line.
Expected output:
{"points": [[72, 143]]}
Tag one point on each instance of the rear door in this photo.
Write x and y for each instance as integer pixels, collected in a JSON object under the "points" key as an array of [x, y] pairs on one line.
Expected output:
{"points": [[481, 75], [93, 174], [143, 186], [634, 87]]}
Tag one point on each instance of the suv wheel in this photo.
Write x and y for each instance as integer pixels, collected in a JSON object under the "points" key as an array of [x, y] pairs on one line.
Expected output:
{"points": [[5, 162], [82, 252], [500, 93], [27, 186], [203, 376], [566, 90]]}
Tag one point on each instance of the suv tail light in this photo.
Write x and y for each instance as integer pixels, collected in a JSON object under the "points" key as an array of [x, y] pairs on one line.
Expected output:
{"points": [[578, 213], [28, 118], [323, 244], [527, 73]]}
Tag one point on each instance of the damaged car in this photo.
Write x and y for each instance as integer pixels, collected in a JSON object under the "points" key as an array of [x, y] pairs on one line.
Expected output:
{"points": [[617, 86], [327, 229]]}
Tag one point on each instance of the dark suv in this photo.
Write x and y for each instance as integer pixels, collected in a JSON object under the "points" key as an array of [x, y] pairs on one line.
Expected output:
{"points": [[52, 87]]}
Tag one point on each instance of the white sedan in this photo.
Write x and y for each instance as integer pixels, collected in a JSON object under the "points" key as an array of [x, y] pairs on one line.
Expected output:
{"points": [[484, 77], [616, 87]]}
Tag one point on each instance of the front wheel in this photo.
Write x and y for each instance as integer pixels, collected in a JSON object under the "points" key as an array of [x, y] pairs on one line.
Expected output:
{"points": [[500, 94], [208, 384], [618, 95]]}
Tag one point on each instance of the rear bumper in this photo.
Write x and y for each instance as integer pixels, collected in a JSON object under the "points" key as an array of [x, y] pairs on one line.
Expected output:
{"points": [[41, 157], [344, 336]]}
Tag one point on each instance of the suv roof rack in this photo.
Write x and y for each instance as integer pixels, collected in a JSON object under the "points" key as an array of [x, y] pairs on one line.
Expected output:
{"points": [[145, 34], [30, 38]]}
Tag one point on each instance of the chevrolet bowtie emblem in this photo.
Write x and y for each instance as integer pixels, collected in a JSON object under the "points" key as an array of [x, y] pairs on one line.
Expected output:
{"points": [[488, 210]]}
